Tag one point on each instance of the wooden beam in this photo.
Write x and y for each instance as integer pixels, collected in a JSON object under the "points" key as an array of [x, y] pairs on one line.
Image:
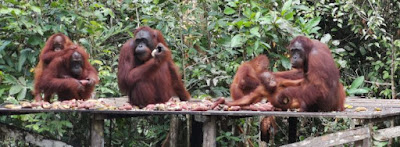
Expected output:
{"points": [[386, 134], [336, 138], [209, 132], [97, 130]]}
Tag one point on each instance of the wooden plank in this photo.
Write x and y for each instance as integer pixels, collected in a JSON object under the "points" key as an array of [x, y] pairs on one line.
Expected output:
{"points": [[350, 113], [357, 99], [209, 132], [375, 104], [335, 138], [97, 131], [393, 110], [382, 103], [386, 134]]}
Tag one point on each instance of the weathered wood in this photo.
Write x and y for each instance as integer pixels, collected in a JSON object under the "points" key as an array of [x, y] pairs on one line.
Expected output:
{"points": [[97, 131], [32, 138], [386, 134], [390, 142], [389, 108], [117, 113], [209, 132], [334, 138], [380, 103], [358, 123], [173, 131]]}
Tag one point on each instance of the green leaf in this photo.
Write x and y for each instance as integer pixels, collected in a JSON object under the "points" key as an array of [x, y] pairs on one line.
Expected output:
{"points": [[98, 62], [22, 94], [34, 40], [36, 9], [326, 38], [396, 42], [285, 62], [16, 11], [256, 44], [249, 50], [266, 20], [4, 45], [254, 31], [286, 7], [247, 12], [156, 1], [247, 23], [21, 60], [15, 89], [35, 127], [22, 81], [357, 82], [237, 41], [11, 99], [313, 22], [4, 10], [229, 11], [357, 91], [289, 16], [1, 92], [239, 24], [386, 75], [266, 45], [68, 124], [258, 14], [9, 79]]}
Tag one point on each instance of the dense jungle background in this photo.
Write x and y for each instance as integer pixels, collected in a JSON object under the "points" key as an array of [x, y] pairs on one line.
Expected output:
{"points": [[209, 40]]}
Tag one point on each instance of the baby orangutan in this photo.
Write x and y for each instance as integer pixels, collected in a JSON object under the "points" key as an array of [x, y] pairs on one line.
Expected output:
{"points": [[269, 87]]}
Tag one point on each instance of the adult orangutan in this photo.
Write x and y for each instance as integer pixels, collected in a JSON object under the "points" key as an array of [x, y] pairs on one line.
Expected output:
{"points": [[321, 89], [146, 71], [55, 46], [70, 76]]}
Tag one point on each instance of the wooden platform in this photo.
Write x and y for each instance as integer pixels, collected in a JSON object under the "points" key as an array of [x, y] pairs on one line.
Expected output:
{"points": [[388, 108]]}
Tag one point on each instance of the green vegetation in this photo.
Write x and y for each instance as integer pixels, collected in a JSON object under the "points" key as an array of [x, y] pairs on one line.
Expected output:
{"points": [[209, 40]]}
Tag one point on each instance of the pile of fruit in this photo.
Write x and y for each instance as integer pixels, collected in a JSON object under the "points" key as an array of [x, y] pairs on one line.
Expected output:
{"points": [[171, 105]]}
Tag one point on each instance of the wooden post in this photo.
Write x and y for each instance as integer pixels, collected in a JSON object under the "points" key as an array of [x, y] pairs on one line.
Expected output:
{"points": [[209, 132], [173, 131], [354, 124], [292, 129], [390, 142], [367, 141], [97, 131]]}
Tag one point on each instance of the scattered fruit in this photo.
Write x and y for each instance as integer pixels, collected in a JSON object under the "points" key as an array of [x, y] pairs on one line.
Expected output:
{"points": [[358, 109]]}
